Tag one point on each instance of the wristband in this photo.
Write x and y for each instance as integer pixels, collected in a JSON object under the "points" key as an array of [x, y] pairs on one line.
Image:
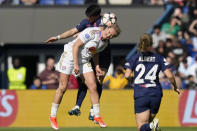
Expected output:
{"points": [[58, 37]]}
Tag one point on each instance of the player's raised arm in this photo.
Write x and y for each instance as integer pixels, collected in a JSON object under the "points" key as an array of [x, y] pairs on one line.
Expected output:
{"points": [[64, 35], [171, 78]]}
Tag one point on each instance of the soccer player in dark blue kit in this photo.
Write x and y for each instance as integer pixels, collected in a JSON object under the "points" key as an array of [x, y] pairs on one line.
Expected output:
{"points": [[93, 13], [146, 66]]}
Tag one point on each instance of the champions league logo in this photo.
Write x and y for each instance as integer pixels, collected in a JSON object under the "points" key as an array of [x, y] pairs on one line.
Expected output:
{"points": [[188, 108], [8, 107]]}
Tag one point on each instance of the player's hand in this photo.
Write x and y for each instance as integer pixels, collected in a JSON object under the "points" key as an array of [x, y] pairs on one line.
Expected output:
{"points": [[76, 69], [99, 72], [177, 90], [51, 39]]}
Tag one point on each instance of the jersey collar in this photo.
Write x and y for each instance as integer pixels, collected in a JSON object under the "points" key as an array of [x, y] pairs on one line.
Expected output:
{"points": [[100, 36]]}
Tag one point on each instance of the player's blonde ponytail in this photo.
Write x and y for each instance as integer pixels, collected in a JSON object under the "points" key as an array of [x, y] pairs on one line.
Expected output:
{"points": [[145, 43]]}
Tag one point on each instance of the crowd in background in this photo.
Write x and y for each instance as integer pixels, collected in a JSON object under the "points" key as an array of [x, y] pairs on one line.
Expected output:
{"points": [[175, 39], [81, 2]]}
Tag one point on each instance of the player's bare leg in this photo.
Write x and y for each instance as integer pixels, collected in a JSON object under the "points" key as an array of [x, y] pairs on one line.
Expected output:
{"points": [[57, 99], [90, 81], [100, 81], [142, 120]]}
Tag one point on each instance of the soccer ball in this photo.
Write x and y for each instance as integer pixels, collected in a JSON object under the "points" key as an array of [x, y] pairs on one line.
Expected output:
{"points": [[108, 19]]}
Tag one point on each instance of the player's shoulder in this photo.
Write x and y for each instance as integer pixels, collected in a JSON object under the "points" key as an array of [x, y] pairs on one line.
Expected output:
{"points": [[134, 56], [84, 21], [158, 55], [92, 30], [91, 33], [159, 58]]}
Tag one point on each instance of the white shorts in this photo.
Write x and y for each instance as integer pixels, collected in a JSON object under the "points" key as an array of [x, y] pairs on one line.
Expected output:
{"points": [[66, 65]]}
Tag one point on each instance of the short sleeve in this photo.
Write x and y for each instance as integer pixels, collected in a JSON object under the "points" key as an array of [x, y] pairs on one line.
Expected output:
{"points": [[98, 22], [86, 36], [130, 63], [83, 24], [164, 64]]}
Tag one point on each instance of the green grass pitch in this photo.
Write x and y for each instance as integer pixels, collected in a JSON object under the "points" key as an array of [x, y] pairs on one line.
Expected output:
{"points": [[99, 129]]}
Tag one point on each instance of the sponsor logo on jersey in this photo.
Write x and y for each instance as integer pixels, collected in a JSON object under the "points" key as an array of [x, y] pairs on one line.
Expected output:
{"points": [[8, 107], [63, 67], [87, 36], [188, 108], [92, 50], [93, 32]]}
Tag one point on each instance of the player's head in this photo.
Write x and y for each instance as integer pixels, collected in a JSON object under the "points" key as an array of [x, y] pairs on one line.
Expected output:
{"points": [[145, 43], [93, 12], [110, 32]]}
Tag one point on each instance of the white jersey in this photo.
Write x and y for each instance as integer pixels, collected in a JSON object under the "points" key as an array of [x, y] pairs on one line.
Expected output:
{"points": [[91, 37]]}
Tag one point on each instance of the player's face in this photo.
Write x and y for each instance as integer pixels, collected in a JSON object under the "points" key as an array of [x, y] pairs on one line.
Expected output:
{"points": [[108, 33]]}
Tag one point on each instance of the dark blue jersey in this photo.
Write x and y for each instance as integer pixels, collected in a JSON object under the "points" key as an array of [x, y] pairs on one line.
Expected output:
{"points": [[85, 23], [105, 55], [146, 68]]}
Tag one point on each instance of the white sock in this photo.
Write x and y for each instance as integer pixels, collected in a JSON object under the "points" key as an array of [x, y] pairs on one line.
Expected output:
{"points": [[91, 112], [96, 110], [76, 107], [151, 125], [54, 109]]}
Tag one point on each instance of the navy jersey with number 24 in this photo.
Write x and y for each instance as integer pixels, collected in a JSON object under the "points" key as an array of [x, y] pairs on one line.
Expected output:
{"points": [[146, 68]]}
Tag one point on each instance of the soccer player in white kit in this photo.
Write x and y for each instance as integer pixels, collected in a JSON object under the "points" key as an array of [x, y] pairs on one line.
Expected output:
{"points": [[76, 58]]}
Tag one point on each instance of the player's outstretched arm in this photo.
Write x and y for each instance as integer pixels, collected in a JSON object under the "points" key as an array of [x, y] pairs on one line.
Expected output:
{"points": [[64, 35], [172, 80]]}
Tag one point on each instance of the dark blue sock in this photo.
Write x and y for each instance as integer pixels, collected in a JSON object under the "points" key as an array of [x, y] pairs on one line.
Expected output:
{"points": [[81, 92], [99, 89], [145, 127]]}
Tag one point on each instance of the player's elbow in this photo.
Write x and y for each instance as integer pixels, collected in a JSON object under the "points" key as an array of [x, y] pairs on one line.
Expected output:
{"points": [[169, 74], [127, 75], [73, 31]]}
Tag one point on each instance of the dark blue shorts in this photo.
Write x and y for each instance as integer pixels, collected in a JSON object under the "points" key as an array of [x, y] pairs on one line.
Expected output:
{"points": [[151, 103]]}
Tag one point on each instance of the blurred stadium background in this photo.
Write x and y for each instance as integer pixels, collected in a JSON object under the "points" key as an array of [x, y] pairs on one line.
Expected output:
{"points": [[26, 24]]}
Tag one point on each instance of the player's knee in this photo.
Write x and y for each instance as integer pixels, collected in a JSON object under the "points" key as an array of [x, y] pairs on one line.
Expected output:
{"points": [[62, 86], [92, 87]]}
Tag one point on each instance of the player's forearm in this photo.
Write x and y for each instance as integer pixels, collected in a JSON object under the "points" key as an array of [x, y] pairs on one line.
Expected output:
{"points": [[68, 33], [75, 54], [170, 77], [173, 82]]}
